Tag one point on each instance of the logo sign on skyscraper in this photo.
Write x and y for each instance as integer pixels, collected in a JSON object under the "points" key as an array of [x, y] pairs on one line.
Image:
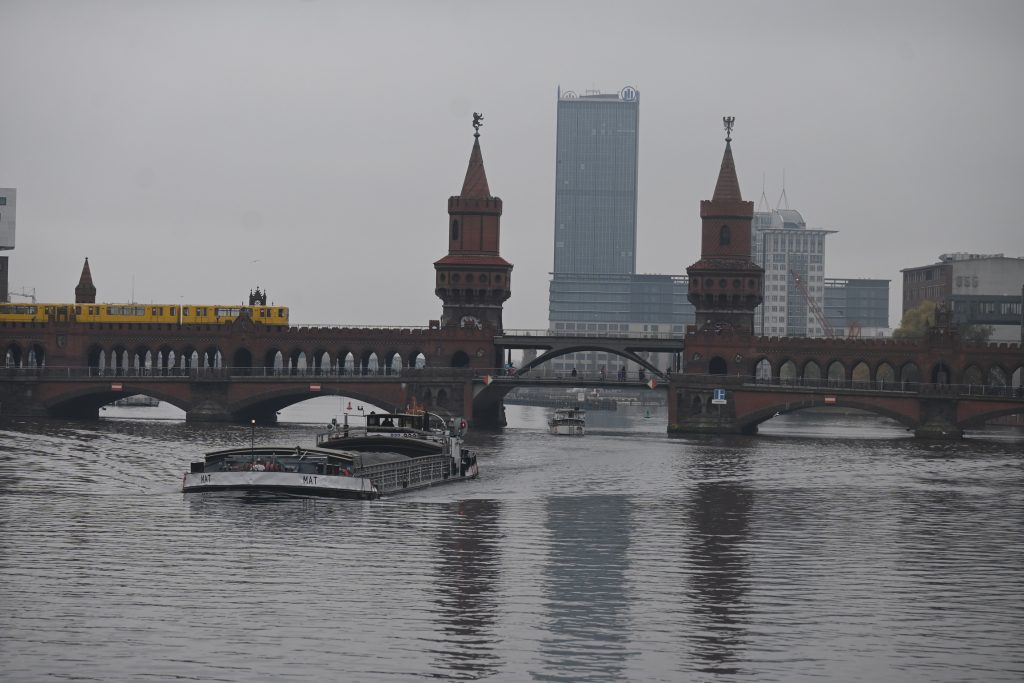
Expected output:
{"points": [[628, 94]]}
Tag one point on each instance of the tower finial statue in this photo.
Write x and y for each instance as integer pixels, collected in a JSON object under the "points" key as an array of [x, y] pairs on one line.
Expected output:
{"points": [[728, 121], [478, 120]]}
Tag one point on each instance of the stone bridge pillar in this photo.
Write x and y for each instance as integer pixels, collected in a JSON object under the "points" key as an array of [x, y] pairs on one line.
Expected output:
{"points": [[938, 419]]}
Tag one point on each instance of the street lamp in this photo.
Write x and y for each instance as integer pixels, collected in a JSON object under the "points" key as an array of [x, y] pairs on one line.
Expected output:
{"points": [[252, 441]]}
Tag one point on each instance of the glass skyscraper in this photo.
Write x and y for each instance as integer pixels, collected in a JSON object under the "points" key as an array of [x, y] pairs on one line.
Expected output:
{"points": [[595, 183], [594, 286]]}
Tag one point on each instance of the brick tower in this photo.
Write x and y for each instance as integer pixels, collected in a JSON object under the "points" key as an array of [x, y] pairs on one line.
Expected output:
{"points": [[725, 284], [473, 280], [85, 292]]}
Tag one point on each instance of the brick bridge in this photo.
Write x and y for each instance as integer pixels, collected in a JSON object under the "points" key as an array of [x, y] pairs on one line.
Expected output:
{"points": [[936, 386]]}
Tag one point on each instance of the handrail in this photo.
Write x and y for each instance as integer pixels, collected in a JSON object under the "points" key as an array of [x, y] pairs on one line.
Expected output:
{"points": [[592, 334]]}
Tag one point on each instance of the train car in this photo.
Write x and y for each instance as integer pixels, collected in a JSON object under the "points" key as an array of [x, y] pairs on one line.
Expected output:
{"points": [[127, 313], [23, 313], [145, 314], [220, 315]]}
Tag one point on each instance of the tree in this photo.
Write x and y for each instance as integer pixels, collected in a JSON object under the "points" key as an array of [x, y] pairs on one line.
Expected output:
{"points": [[916, 321], [976, 334]]}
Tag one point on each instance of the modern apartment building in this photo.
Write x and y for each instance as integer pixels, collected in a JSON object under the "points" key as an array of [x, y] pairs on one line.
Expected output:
{"points": [[793, 258], [8, 206]]}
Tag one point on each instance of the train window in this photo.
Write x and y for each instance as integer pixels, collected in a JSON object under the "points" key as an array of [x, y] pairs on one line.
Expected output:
{"points": [[48, 310], [78, 310]]}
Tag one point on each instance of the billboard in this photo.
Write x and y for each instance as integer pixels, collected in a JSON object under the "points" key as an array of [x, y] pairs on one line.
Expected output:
{"points": [[8, 204]]}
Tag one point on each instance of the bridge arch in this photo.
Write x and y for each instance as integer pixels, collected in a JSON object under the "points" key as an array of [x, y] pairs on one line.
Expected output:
{"points": [[885, 374], [941, 374], [836, 372], [910, 373], [997, 376], [717, 366], [86, 400], [268, 403], [763, 370], [35, 356], [592, 344], [811, 373], [787, 371], [273, 360], [460, 359], [12, 355], [972, 375], [861, 373], [241, 358], [750, 421]]}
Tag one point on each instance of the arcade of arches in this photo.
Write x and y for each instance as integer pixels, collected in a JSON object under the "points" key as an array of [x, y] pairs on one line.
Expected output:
{"points": [[166, 359]]}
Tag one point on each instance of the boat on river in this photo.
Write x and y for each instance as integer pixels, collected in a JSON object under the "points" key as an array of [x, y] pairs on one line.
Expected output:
{"points": [[391, 453], [571, 421]]}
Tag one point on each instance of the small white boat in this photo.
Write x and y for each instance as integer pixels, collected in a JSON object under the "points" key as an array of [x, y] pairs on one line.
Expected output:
{"points": [[571, 421]]}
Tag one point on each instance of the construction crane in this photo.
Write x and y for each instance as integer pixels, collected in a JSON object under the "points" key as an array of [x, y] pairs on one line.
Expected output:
{"points": [[819, 315], [24, 293]]}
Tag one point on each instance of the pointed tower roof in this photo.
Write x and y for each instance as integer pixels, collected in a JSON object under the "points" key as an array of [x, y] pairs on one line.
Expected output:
{"points": [[85, 292], [475, 185], [728, 187]]}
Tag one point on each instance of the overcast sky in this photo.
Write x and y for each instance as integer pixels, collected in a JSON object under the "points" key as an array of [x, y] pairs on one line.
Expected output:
{"points": [[198, 149]]}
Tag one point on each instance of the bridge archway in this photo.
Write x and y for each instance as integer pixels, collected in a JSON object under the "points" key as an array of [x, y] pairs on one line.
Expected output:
{"points": [[593, 344], [910, 373], [241, 358], [836, 372], [997, 376], [87, 400], [12, 356], [861, 373], [763, 370], [941, 374], [885, 374], [36, 356], [787, 371], [717, 366], [460, 359], [812, 372], [972, 375], [263, 407], [750, 421]]}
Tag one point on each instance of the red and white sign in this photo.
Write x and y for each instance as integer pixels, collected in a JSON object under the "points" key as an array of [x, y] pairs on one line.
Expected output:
{"points": [[652, 384], [314, 387], [487, 379], [830, 400], [117, 386]]}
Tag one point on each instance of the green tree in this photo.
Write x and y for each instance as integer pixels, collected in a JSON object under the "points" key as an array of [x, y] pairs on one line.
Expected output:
{"points": [[976, 334], [916, 321]]}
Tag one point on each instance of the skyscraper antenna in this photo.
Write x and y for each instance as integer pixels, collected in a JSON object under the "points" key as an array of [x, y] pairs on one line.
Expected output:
{"points": [[783, 199], [762, 203]]}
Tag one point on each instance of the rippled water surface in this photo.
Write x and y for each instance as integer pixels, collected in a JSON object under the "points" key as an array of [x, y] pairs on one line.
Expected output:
{"points": [[827, 548]]}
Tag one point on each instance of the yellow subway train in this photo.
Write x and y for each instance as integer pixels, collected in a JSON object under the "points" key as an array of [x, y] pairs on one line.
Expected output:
{"points": [[146, 314]]}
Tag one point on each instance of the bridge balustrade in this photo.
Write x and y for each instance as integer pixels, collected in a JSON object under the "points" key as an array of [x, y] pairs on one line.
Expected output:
{"points": [[826, 384], [591, 333]]}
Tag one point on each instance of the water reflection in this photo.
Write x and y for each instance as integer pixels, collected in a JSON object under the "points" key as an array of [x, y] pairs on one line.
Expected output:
{"points": [[585, 588], [470, 551], [720, 518]]}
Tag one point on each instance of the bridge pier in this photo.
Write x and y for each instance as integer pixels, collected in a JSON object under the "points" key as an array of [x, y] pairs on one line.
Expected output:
{"points": [[938, 420]]}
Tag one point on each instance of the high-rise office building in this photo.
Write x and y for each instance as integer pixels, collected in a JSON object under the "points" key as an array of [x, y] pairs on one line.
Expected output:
{"points": [[857, 307], [595, 183], [793, 258], [8, 206], [594, 286]]}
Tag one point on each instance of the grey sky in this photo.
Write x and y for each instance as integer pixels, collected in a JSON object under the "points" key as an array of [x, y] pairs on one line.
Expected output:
{"points": [[203, 148]]}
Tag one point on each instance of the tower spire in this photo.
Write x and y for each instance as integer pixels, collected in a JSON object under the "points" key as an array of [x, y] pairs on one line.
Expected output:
{"points": [[85, 292], [728, 187]]}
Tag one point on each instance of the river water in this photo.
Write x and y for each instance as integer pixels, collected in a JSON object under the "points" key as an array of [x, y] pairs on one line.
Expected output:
{"points": [[827, 548]]}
